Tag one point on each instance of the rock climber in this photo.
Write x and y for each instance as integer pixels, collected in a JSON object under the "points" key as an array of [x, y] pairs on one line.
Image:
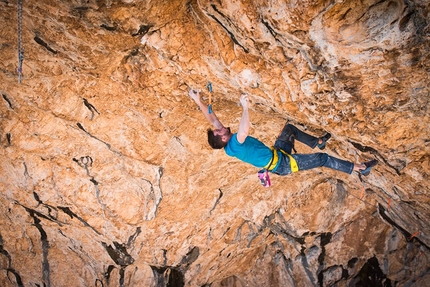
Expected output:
{"points": [[278, 160]]}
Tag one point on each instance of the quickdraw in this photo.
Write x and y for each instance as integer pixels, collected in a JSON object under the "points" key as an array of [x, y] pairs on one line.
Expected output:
{"points": [[209, 86]]}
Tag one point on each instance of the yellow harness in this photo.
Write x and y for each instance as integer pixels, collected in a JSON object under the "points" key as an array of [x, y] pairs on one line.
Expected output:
{"points": [[272, 164]]}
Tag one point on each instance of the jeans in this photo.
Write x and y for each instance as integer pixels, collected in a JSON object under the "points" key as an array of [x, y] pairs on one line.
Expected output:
{"points": [[285, 141]]}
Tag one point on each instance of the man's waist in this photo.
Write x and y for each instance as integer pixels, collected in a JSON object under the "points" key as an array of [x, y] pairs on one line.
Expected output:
{"points": [[276, 158], [274, 161]]}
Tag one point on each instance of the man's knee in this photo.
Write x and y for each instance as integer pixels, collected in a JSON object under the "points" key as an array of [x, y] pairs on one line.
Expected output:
{"points": [[323, 158], [291, 129], [290, 133]]}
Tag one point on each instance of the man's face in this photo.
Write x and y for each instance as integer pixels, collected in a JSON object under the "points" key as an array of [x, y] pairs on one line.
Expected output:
{"points": [[224, 131]]}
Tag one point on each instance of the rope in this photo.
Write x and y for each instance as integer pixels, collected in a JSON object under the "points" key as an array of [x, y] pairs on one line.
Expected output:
{"points": [[20, 49]]}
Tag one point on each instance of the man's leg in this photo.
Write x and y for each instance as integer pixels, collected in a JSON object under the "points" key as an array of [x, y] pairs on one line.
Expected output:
{"points": [[285, 140], [310, 161]]}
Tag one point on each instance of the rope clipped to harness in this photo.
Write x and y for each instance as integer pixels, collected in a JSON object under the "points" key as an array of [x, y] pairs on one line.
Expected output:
{"points": [[20, 49], [209, 86]]}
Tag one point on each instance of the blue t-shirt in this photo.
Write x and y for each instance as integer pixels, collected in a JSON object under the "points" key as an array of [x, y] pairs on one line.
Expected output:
{"points": [[250, 151]]}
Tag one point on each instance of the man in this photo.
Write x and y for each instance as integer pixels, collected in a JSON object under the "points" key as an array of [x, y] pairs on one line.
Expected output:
{"points": [[278, 160]]}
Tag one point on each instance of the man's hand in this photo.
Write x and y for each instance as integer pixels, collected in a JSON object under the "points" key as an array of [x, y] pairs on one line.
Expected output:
{"points": [[212, 118], [244, 101], [195, 95]]}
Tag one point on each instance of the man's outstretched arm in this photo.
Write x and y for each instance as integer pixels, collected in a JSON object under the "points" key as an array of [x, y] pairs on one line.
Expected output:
{"points": [[212, 118], [244, 121]]}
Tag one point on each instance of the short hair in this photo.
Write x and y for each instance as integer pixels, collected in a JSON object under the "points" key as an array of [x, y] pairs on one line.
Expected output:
{"points": [[214, 141]]}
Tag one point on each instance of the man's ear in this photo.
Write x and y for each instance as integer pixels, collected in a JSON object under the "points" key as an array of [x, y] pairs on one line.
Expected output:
{"points": [[226, 138]]}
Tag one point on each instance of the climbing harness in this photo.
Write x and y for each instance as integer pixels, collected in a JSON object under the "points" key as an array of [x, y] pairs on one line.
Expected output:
{"points": [[20, 49], [263, 174], [293, 162], [272, 164], [209, 86]]}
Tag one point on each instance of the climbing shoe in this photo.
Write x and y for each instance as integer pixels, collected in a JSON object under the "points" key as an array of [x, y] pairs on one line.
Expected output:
{"points": [[324, 139], [369, 165]]}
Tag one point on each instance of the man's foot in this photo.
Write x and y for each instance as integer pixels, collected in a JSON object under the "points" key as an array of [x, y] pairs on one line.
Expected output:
{"points": [[369, 165], [324, 139]]}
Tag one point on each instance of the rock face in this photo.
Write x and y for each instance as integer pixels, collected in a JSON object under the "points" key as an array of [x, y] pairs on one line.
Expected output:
{"points": [[107, 178]]}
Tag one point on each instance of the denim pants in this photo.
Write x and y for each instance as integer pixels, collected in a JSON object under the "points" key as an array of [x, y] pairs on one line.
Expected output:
{"points": [[285, 141]]}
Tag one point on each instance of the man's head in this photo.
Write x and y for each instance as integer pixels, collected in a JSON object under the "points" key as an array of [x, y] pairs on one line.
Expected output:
{"points": [[219, 138]]}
